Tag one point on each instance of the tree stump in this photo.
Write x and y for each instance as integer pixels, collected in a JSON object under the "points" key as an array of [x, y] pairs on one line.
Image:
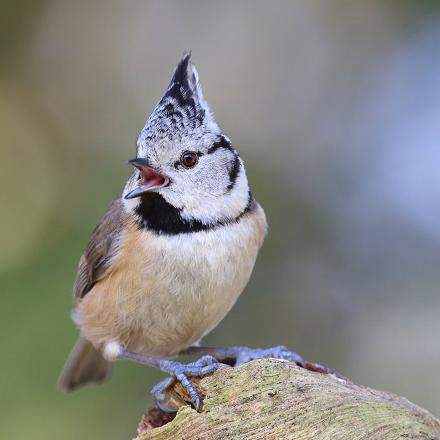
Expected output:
{"points": [[272, 399]]}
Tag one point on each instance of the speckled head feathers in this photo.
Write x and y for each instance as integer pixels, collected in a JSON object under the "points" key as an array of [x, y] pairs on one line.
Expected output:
{"points": [[213, 192], [181, 113]]}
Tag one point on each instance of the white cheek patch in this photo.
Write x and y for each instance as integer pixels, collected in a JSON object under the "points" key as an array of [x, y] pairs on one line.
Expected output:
{"points": [[211, 208]]}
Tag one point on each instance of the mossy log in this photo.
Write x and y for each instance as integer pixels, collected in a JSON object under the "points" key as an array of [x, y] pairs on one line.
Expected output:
{"points": [[272, 399]]}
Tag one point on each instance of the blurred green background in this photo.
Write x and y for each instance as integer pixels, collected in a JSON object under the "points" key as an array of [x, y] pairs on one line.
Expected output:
{"points": [[335, 107]]}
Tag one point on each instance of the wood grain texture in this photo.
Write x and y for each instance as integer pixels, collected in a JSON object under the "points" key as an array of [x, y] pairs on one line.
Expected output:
{"points": [[270, 399]]}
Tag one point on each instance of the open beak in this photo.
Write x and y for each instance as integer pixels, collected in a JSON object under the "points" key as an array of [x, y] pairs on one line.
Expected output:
{"points": [[151, 179]]}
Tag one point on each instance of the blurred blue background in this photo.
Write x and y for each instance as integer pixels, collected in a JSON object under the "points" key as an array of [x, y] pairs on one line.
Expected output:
{"points": [[335, 107]]}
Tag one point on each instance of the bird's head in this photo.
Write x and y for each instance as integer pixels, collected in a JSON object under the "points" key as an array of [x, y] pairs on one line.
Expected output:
{"points": [[186, 172]]}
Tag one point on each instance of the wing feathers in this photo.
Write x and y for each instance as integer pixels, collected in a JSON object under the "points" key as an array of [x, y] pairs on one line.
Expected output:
{"points": [[102, 246]]}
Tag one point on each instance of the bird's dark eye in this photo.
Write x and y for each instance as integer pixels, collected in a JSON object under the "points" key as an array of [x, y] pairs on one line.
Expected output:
{"points": [[189, 159]]}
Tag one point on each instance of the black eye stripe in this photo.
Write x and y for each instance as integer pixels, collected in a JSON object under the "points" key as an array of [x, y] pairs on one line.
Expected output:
{"points": [[222, 143], [234, 172]]}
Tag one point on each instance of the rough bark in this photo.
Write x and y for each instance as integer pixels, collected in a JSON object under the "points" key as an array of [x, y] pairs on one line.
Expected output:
{"points": [[271, 399]]}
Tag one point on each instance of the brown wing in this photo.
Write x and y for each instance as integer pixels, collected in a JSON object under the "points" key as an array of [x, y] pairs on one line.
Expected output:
{"points": [[101, 247]]}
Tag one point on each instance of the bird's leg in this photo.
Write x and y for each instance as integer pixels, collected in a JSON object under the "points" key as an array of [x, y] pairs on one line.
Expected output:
{"points": [[202, 367], [240, 355]]}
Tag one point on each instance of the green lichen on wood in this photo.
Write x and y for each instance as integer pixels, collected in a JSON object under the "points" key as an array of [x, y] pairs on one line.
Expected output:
{"points": [[270, 399]]}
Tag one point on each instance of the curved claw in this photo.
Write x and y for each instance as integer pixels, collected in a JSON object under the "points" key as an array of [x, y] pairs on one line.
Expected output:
{"points": [[160, 395], [202, 367]]}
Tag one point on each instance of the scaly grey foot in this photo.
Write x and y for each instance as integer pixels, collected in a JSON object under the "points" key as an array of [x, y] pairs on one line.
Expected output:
{"points": [[202, 367], [245, 354]]}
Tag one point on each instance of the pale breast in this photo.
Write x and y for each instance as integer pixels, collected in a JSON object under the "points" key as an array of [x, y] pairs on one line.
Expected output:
{"points": [[166, 292]]}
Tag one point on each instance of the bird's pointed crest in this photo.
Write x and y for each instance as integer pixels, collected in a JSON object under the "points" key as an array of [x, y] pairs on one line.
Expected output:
{"points": [[183, 72], [182, 111]]}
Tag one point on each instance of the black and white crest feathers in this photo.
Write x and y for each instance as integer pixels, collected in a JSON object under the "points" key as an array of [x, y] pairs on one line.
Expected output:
{"points": [[182, 112]]}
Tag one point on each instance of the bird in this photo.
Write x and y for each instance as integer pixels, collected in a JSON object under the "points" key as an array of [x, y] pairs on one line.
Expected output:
{"points": [[173, 252]]}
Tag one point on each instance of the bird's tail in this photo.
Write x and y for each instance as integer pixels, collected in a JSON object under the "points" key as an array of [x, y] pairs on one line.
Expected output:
{"points": [[84, 365]]}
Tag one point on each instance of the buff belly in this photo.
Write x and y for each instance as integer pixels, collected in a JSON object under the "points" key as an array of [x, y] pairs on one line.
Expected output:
{"points": [[165, 293]]}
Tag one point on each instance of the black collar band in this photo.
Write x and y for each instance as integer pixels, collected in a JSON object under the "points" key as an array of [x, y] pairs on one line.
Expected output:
{"points": [[155, 214]]}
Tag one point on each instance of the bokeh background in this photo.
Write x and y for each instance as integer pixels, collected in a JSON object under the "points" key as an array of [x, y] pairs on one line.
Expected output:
{"points": [[335, 107]]}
